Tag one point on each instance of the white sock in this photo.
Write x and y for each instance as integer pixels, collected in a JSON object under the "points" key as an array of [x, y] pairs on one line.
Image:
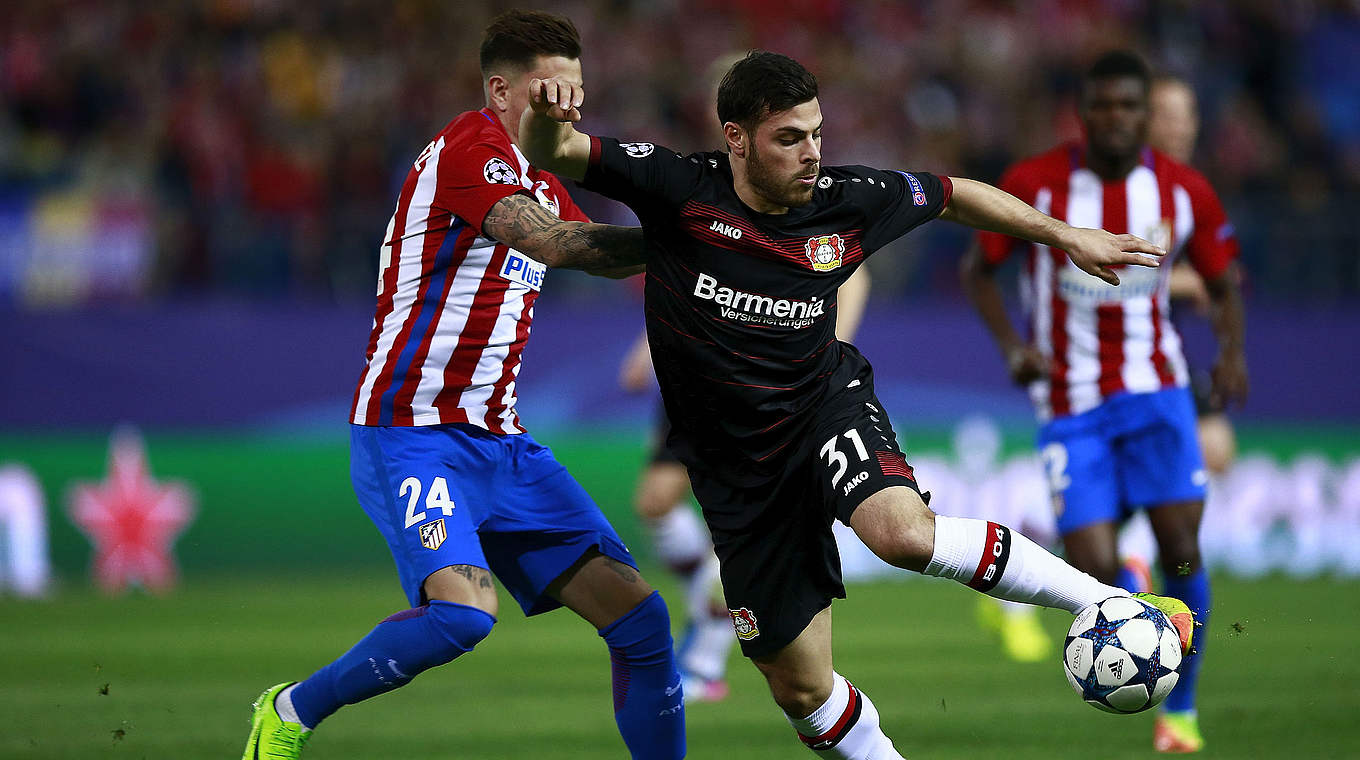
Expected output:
{"points": [[283, 705], [710, 638], [1000, 562], [845, 726], [680, 538]]}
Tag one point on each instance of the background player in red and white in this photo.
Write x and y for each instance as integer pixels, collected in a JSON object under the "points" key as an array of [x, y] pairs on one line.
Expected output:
{"points": [[679, 537], [744, 251], [1104, 366], [439, 459]]}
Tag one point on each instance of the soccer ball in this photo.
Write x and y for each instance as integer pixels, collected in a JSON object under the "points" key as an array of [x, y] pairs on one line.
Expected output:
{"points": [[1122, 655]]}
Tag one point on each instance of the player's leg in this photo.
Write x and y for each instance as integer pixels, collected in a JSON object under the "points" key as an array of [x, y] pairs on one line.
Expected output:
{"points": [[831, 716], [551, 546], [896, 525], [681, 541], [411, 482], [1218, 442], [1162, 467]]}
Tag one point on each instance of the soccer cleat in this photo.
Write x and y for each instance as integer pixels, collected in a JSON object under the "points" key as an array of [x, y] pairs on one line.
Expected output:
{"points": [[1180, 616], [699, 689], [1177, 732], [271, 737], [1022, 638]]}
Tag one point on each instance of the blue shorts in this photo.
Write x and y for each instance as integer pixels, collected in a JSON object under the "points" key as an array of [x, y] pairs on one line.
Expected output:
{"points": [[458, 495], [1134, 450]]}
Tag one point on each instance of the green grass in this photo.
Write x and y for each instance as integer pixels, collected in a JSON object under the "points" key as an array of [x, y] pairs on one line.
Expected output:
{"points": [[181, 671]]}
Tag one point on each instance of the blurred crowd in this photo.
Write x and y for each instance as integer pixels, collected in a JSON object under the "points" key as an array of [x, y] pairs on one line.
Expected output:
{"points": [[164, 148]]}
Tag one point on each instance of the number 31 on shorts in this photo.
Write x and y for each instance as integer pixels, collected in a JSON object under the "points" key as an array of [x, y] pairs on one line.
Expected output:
{"points": [[436, 499], [833, 456]]}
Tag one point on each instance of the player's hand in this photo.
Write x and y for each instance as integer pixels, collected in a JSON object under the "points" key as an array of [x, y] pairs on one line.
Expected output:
{"points": [[1026, 364], [1095, 251], [556, 99], [1230, 383]]}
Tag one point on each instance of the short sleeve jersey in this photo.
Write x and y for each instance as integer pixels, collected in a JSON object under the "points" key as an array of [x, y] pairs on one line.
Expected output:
{"points": [[1104, 340], [454, 306], [741, 305]]}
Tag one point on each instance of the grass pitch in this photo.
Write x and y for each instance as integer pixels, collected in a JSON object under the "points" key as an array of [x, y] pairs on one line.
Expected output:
{"points": [[82, 676]]}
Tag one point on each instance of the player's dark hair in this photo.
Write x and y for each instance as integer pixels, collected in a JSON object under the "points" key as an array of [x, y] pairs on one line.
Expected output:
{"points": [[760, 84], [1118, 64], [517, 37]]}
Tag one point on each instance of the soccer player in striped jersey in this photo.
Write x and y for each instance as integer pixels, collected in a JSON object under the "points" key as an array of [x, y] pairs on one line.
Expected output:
{"points": [[439, 458], [777, 421], [1104, 366]]}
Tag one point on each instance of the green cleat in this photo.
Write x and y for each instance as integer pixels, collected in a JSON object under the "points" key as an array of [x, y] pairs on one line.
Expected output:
{"points": [[1177, 732], [1179, 614], [271, 737]]}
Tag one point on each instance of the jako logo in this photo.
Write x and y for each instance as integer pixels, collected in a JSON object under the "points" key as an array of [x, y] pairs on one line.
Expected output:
{"points": [[860, 478], [726, 229]]}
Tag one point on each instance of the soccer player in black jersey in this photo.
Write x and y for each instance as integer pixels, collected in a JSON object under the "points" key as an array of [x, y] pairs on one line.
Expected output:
{"points": [[776, 420]]}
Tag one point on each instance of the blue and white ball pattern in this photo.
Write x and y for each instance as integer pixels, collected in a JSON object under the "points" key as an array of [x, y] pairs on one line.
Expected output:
{"points": [[1122, 655]]}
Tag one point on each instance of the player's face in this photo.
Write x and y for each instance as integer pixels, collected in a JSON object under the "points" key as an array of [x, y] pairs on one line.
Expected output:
{"points": [[1173, 122], [786, 154], [1115, 114]]}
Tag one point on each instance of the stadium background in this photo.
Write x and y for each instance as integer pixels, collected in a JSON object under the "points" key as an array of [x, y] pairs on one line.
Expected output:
{"points": [[191, 195]]}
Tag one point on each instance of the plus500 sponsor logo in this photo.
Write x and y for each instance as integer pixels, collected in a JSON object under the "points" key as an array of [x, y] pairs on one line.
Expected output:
{"points": [[756, 308], [524, 270]]}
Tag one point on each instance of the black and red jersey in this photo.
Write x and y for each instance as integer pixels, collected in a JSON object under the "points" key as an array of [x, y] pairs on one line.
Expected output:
{"points": [[741, 305]]}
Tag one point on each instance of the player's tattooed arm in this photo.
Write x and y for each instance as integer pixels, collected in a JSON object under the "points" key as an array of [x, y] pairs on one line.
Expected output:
{"points": [[984, 207], [602, 249], [1230, 383]]}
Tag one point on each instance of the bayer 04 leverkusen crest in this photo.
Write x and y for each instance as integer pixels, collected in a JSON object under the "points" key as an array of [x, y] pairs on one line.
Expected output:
{"points": [[826, 252], [744, 621]]}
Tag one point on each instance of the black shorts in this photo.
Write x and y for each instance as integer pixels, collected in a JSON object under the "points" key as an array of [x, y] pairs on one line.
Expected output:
{"points": [[780, 566]]}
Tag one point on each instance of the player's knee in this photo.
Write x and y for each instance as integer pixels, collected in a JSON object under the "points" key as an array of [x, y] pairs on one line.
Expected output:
{"points": [[642, 636], [462, 626], [899, 531], [795, 693]]}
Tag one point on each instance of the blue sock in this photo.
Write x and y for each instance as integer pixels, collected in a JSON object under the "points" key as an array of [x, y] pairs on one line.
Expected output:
{"points": [[1127, 579], [393, 653], [648, 704], [1192, 589]]}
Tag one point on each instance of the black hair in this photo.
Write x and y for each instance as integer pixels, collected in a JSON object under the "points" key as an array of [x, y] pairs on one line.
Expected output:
{"points": [[517, 37], [760, 84], [1117, 64]]}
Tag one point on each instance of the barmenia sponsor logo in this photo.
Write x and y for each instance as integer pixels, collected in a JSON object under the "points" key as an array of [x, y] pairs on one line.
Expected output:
{"points": [[759, 309]]}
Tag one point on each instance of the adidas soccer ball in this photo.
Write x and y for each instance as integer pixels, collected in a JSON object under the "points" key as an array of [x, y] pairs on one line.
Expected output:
{"points": [[1122, 655]]}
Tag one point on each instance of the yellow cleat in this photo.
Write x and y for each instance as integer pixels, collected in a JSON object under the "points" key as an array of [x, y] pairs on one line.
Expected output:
{"points": [[271, 737], [1180, 615], [1022, 638], [1177, 732]]}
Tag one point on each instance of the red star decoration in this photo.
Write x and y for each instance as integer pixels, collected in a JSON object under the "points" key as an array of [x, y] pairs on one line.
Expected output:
{"points": [[131, 519]]}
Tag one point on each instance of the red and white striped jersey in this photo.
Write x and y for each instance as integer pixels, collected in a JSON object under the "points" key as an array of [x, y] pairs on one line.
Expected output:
{"points": [[454, 306], [1101, 339]]}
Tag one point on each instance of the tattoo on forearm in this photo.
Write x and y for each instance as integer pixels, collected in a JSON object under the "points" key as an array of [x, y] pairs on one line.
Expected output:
{"points": [[521, 223]]}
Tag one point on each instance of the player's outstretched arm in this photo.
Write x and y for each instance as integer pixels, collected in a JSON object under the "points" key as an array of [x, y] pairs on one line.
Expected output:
{"points": [[546, 134], [602, 249], [851, 299], [984, 207]]}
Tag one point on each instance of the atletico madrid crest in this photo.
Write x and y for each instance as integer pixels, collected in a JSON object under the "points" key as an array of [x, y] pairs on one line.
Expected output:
{"points": [[745, 622], [825, 252], [432, 534]]}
